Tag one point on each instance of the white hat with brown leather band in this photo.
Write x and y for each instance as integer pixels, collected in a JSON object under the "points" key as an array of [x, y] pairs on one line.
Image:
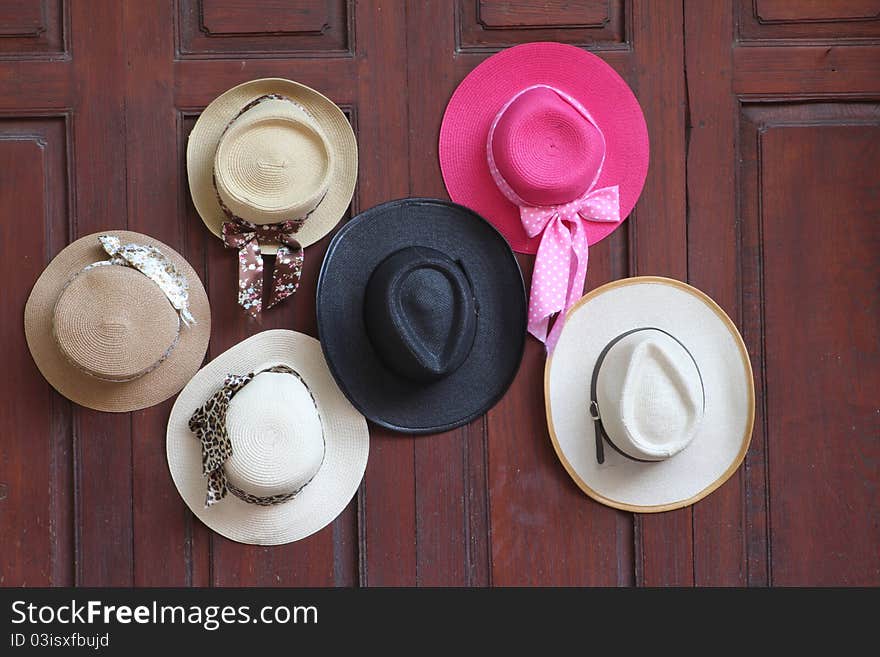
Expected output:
{"points": [[649, 393]]}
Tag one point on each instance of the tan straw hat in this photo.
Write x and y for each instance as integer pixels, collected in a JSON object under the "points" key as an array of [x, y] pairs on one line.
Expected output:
{"points": [[118, 321], [278, 150], [650, 397], [262, 445], [272, 166]]}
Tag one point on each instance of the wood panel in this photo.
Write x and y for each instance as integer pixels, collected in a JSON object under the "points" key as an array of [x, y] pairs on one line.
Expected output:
{"points": [[490, 25], [501, 14], [450, 493], [800, 11], [103, 448], [659, 230], [719, 527], [242, 28], [387, 548], [32, 29], [809, 20], [35, 456], [732, 528], [237, 17], [22, 18], [764, 124], [162, 528], [810, 225]]}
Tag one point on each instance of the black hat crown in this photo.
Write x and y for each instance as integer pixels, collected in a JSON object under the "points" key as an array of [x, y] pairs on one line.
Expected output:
{"points": [[420, 313]]}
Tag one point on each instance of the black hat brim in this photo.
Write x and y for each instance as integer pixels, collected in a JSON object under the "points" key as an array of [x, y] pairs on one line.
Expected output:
{"points": [[383, 396]]}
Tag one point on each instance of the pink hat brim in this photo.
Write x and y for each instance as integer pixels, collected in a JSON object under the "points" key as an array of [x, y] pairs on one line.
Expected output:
{"points": [[483, 93]]}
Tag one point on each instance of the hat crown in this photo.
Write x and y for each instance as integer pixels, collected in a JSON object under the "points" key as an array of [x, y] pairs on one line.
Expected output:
{"points": [[650, 393], [545, 148], [114, 323], [273, 163], [276, 435], [420, 313]]}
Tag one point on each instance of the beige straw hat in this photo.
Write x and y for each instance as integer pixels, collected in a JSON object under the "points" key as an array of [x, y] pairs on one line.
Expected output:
{"points": [[272, 150], [649, 393], [262, 445], [118, 321]]}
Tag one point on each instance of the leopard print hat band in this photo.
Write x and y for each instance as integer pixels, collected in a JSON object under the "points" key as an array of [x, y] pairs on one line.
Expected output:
{"points": [[209, 425]]}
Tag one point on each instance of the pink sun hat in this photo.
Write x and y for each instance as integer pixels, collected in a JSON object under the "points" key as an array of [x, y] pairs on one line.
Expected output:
{"points": [[548, 143]]}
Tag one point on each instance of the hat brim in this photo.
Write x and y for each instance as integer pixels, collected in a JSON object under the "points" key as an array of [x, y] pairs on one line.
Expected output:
{"points": [[383, 396], [325, 496], [481, 95], [205, 136], [725, 432], [115, 397]]}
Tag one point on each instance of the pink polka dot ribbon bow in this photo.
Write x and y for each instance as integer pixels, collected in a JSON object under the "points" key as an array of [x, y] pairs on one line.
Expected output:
{"points": [[561, 261]]}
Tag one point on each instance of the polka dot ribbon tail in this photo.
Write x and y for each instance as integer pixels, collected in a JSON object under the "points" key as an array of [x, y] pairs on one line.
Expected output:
{"points": [[561, 261]]}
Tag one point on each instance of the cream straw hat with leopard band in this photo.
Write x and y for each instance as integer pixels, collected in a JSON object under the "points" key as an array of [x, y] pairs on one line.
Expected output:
{"points": [[118, 321], [262, 445]]}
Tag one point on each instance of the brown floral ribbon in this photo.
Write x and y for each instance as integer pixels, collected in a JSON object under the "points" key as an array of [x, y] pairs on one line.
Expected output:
{"points": [[246, 237], [208, 423]]}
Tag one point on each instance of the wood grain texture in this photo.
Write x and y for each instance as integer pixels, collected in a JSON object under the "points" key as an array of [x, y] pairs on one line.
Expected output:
{"points": [[239, 17], [102, 441], [664, 541], [490, 25], [809, 20], [21, 18], [803, 11], [32, 87], [818, 323], [807, 71], [713, 257], [451, 499], [822, 319], [245, 28], [33, 29], [36, 463], [153, 191], [495, 14], [764, 119], [388, 549]]}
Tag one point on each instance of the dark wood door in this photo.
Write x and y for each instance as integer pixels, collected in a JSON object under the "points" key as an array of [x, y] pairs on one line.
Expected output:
{"points": [[764, 118]]}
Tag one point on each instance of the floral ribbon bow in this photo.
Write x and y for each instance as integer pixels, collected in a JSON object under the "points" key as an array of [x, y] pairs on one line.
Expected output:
{"points": [[561, 261], [151, 262], [208, 423], [246, 237]]}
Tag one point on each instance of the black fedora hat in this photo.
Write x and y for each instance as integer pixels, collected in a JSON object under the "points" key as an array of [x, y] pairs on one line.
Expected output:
{"points": [[421, 312]]}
